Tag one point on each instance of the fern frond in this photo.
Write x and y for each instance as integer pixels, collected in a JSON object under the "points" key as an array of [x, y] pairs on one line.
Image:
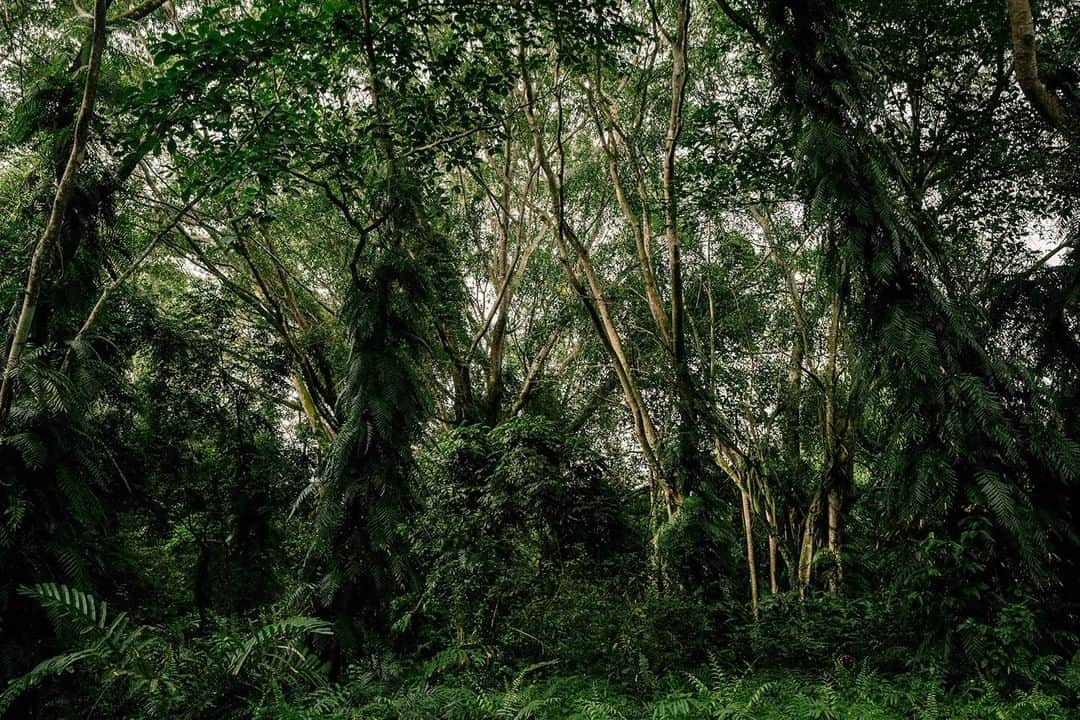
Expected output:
{"points": [[287, 628]]}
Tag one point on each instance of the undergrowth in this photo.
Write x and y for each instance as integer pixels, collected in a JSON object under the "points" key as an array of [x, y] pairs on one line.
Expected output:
{"points": [[841, 695]]}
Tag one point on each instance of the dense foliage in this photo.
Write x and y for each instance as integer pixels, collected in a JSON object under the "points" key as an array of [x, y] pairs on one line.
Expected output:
{"points": [[540, 359]]}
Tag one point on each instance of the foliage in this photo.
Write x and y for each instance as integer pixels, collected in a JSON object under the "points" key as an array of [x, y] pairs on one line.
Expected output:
{"points": [[841, 695], [152, 671], [544, 359]]}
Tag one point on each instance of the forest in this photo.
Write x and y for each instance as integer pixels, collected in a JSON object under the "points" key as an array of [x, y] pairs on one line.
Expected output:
{"points": [[540, 359]]}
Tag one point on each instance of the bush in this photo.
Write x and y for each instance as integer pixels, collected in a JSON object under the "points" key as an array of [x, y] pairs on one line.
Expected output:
{"points": [[829, 631]]}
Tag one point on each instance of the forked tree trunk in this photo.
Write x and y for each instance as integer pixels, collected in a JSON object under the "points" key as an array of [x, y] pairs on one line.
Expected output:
{"points": [[687, 444], [590, 290]]}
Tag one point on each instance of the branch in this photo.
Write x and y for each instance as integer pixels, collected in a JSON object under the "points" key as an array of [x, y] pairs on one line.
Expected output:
{"points": [[534, 372], [743, 23], [451, 139], [489, 316], [138, 12]]}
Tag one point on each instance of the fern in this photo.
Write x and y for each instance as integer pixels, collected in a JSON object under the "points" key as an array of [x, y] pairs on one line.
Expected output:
{"points": [[281, 629], [109, 642], [155, 668]]}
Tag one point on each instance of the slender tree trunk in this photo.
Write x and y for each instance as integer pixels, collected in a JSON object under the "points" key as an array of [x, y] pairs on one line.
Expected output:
{"points": [[791, 397], [323, 433], [685, 392], [103, 297], [751, 562], [304, 376], [64, 191], [500, 277], [837, 452], [799, 577], [460, 374], [640, 227], [834, 539], [806, 548], [797, 548], [774, 585], [299, 317], [536, 367]]}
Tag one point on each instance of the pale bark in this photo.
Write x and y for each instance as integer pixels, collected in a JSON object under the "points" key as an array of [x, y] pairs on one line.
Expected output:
{"points": [[306, 376], [640, 229], [501, 275], [591, 292], [1026, 65], [774, 585], [64, 191], [284, 283], [806, 547], [837, 576], [322, 432], [803, 534], [751, 562], [835, 440], [104, 296], [533, 373]]}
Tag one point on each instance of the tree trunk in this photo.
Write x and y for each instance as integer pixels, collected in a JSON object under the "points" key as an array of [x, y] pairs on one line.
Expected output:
{"points": [[323, 433], [688, 439], [64, 191], [1026, 65], [835, 433], [834, 539], [500, 277], [806, 548], [748, 527], [640, 227], [774, 585]]}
